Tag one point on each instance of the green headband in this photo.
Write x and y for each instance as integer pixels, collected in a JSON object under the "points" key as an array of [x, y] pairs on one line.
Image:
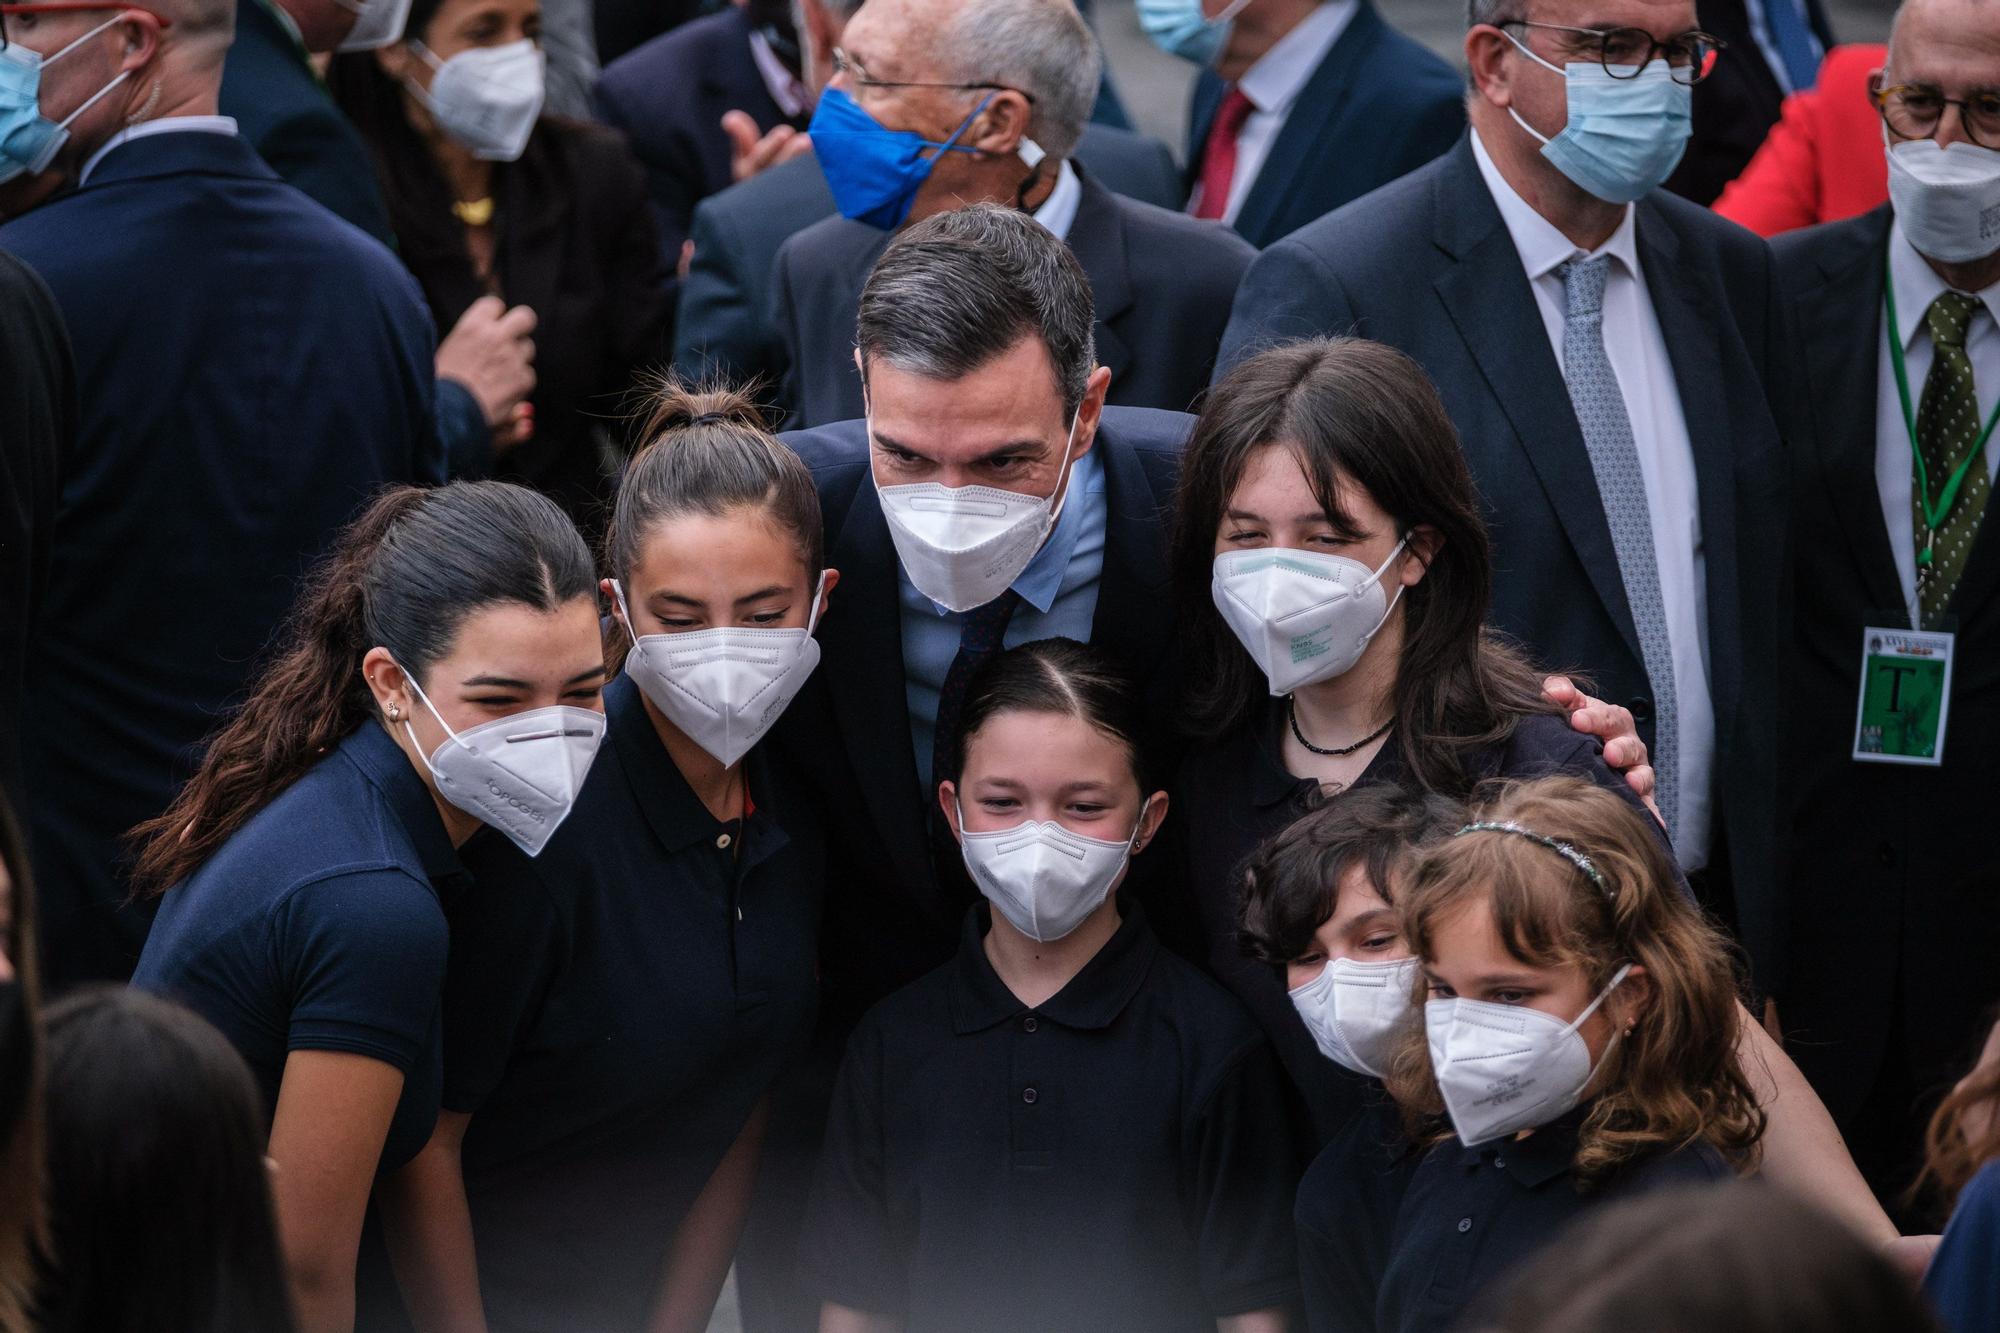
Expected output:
{"points": [[1562, 849]]}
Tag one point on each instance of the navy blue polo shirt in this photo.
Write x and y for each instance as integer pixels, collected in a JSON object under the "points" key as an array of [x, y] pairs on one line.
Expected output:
{"points": [[319, 927], [1472, 1215], [615, 1009], [1346, 1214], [1960, 1281], [1116, 1158]]}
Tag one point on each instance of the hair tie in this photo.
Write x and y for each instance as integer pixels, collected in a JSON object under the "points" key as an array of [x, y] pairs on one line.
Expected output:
{"points": [[1562, 849], [709, 419]]}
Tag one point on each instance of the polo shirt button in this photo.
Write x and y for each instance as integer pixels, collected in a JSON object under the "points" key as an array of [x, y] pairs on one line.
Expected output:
{"points": [[1029, 1095], [1464, 1225], [722, 840], [1029, 1024]]}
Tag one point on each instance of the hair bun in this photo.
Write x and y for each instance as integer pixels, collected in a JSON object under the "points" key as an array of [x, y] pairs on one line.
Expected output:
{"points": [[676, 406]]}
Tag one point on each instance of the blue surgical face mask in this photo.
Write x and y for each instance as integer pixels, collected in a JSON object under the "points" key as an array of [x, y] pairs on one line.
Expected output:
{"points": [[875, 172], [1625, 136], [1179, 28], [29, 141]]}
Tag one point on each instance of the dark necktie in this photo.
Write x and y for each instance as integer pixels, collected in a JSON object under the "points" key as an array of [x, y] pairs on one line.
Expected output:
{"points": [[1218, 156], [1947, 428], [980, 634]]}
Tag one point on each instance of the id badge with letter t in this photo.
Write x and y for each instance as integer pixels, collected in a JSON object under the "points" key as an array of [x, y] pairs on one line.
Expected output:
{"points": [[1905, 696]]}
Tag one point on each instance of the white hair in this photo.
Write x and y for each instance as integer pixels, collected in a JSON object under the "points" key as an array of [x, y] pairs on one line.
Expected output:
{"points": [[1041, 47]]}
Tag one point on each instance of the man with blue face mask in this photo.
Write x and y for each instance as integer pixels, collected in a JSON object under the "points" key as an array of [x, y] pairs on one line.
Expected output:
{"points": [[1603, 349]]}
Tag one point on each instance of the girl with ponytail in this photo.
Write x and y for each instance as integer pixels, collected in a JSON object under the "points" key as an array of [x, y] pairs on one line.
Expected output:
{"points": [[440, 673], [617, 1009]]}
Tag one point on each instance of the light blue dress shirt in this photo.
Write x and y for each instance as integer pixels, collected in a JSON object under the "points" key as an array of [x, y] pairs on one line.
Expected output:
{"points": [[1058, 591]]}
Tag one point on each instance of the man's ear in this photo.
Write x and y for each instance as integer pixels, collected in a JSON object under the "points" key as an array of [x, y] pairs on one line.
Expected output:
{"points": [[1486, 62], [1002, 125]]}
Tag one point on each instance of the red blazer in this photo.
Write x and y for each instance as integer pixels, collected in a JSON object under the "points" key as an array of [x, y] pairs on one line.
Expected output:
{"points": [[1823, 159]]}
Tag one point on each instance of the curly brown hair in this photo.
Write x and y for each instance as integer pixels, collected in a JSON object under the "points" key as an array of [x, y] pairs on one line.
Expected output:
{"points": [[1675, 1080]]}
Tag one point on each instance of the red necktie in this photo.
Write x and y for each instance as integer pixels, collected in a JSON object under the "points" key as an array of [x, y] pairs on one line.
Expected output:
{"points": [[1218, 156]]}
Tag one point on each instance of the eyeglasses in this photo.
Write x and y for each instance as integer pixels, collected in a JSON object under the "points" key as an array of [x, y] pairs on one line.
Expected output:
{"points": [[1913, 111], [1625, 52], [69, 7], [847, 65]]}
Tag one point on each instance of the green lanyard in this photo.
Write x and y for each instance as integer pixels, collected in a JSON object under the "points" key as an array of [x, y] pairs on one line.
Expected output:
{"points": [[1934, 515]]}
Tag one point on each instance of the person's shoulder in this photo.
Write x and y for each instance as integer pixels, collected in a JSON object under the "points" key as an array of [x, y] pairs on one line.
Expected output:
{"points": [[1545, 744], [1155, 431], [1695, 1163], [1381, 229], [835, 453], [794, 193], [1731, 244], [831, 240], [1411, 71], [1830, 246], [1151, 231], [676, 58]]}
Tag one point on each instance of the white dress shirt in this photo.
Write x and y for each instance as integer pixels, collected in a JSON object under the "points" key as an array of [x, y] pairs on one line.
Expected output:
{"points": [[1917, 285], [1273, 84], [165, 125], [1058, 211], [1637, 351], [780, 82]]}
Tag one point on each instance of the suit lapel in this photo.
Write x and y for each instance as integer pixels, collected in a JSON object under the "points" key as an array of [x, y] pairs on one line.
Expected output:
{"points": [[1486, 293], [1304, 135], [1840, 325], [870, 706], [1097, 238], [1134, 586]]}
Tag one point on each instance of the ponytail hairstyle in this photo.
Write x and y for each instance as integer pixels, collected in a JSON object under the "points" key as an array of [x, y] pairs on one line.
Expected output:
{"points": [[707, 451], [403, 576], [1674, 1080], [1068, 679]]}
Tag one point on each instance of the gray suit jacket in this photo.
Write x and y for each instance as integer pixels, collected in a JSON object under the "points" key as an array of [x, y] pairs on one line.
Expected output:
{"points": [[724, 325]]}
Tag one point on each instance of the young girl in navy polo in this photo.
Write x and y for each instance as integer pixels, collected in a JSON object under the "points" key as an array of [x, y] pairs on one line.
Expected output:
{"points": [[1579, 1037]]}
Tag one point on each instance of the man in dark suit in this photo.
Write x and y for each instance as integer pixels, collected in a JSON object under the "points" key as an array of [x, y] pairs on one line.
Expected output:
{"points": [[1309, 104], [1896, 925], [1016, 86], [1774, 49], [1606, 366], [724, 324], [37, 433], [485, 365], [668, 98], [251, 370]]}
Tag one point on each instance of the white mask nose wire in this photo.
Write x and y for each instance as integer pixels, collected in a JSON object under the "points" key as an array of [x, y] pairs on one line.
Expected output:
{"points": [[631, 631]]}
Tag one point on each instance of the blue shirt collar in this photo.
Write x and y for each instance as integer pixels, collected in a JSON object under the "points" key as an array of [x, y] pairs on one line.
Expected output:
{"points": [[1038, 584]]}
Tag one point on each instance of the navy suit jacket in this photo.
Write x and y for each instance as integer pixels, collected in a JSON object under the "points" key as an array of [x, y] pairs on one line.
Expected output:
{"points": [[1903, 849], [668, 98], [288, 116], [725, 325], [223, 442], [891, 915], [1379, 106], [1162, 282], [1427, 265]]}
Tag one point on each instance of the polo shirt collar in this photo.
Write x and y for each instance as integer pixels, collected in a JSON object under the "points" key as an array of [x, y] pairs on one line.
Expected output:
{"points": [[1093, 998], [672, 810], [1536, 1160], [1282, 73], [1544, 249], [1918, 284], [388, 769]]}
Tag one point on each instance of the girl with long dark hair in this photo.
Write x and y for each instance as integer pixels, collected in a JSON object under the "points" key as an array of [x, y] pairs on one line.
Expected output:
{"points": [[440, 673], [618, 1008]]}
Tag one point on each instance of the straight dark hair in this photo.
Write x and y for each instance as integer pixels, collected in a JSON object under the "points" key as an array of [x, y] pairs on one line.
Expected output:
{"points": [[160, 1201], [707, 451], [1291, 884], [1350, 409], [1069, 679], [403, 576]]}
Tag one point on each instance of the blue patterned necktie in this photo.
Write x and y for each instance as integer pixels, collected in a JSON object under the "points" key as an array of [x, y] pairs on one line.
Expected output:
{"points": [[1797, 47], [1621, 484]]}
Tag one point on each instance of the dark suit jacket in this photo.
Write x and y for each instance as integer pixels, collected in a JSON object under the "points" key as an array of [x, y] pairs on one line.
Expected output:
{"points": [[284, 110], [725, 325], [668, 97], [891, 915], [224, 441], [37, 434], [621, 26], [1162, 283], [1427, 265], [1898, 910], [1379, 105], [575, 245], [1736, 106]]}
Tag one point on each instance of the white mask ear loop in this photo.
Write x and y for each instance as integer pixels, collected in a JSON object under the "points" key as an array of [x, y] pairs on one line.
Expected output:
{"points": [[1602, 996], [101, 93], [410, 723], [1524, 49], [1376, 578]]}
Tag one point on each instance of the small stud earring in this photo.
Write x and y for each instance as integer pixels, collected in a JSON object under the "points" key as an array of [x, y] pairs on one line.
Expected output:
{"points": [[395, 713]]}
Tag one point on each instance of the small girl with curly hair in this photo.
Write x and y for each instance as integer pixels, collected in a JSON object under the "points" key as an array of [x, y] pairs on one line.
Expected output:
{"points": [[1579, 1036]]}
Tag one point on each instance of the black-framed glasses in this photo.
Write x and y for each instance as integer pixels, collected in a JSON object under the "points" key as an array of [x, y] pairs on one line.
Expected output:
{"points": [[846, 65], [1915, 110], [1624, 52]]}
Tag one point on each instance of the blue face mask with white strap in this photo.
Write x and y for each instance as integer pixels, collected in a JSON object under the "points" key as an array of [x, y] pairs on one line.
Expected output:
{"points": [[29, 141], [873, 171], [1179, 28], [1625, 136]]}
